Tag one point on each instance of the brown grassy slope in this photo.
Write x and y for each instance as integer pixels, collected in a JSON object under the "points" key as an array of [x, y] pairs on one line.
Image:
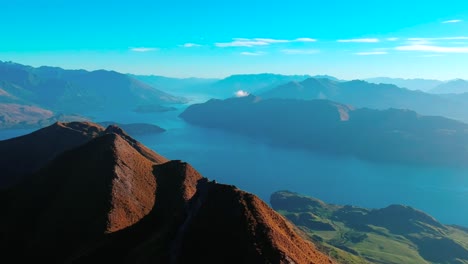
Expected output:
{"points": [[113, 199], [228, 225], [15, 115], [26, 154], [142, 149], [149, 240], [98, 188]]}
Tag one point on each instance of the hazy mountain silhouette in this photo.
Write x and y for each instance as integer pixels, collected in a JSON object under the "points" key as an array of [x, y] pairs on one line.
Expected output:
{"points": [[377, 96], [424, 85], [252, 83], [395, 234], [381, 135], [77, 91], [171, 85], [457, 86], [110, 199]]}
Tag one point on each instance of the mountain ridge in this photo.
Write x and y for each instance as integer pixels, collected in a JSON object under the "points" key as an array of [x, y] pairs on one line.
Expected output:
{"points": [[70, 91], [361, 94], [393, 135], [113, 199]]}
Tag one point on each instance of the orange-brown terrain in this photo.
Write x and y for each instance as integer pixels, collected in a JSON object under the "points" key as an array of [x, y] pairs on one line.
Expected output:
{"points": [[20, 115], [85, 194]]}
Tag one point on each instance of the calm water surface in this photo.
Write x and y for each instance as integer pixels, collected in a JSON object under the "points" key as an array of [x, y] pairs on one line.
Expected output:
{"points": [[263, 169]]}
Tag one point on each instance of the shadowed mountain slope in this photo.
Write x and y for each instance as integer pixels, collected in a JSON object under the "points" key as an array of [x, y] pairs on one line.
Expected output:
{"points": [[391, 135], [113, 199]]}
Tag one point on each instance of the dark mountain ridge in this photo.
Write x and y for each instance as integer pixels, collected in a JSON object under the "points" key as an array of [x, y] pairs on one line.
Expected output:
{"points": [[112, 199], [379, 135]]}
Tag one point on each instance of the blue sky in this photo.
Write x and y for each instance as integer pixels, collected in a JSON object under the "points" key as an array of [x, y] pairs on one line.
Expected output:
{"points": [[207, 38]]}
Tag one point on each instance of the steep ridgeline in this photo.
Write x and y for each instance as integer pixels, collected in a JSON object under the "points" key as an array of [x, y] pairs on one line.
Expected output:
{"points": [[386, 136], [111, 199], [376, 96], [395, 234], [76, 91]]}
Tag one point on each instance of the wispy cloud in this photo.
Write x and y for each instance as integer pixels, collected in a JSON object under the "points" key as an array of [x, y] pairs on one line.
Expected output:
{"points": [[258, 53], [252, 42], [360, 40], [431, 55], [300, 51], [143, 49], [368, 53], [433, 41], [190, 45], [242, 42], [440, 38], [452, 21], [271, 41], [429, 48], [304, 40]]}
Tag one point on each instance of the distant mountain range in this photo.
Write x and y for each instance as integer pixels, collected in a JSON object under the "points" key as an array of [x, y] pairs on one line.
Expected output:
{"points": [[395, 234], [176, 85], [94, 195], [377, 96], [55, 90], [391, 135], [224, 88], [257, 83], [424, 85], [456, 86]]}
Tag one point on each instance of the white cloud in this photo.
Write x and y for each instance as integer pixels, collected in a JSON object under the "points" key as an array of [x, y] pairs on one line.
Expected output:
{"points": [[246, 42], [361, 40], [270, 41], [242, 93], [190, 45], [305, 40], [242, 42], [371, 53], [300, 51], [452, 21], [246, 53], [429, 41], [392, 39], [429, 48], [143, 49], [440, 38]]}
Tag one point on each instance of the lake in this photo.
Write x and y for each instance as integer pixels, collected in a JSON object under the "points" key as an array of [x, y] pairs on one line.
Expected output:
{"points": [[262, 169]]}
